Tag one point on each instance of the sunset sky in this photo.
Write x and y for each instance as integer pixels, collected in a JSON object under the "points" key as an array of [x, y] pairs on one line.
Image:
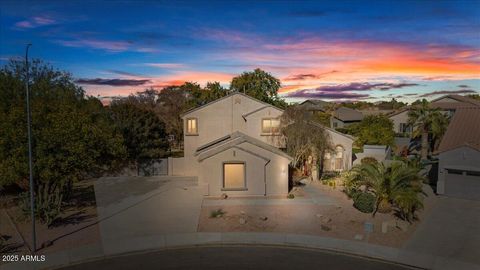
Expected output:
{"points": [[332, 50]]}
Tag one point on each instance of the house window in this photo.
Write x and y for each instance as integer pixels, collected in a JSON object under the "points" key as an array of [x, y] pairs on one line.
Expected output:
{"points": [[404, 128], [192, 126], [339, 157], [234, 176], [270, 126], [335, 124]]}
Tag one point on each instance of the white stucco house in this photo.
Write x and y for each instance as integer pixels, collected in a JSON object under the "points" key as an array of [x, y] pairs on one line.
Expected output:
{"points": [[459, 156], [233, 145]]}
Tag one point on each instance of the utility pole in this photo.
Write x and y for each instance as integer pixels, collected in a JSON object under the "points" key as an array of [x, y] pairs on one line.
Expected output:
{"points": [[30, 165]]}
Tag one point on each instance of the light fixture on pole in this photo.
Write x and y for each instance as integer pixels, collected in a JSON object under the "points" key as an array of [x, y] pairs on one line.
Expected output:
{"points": [[30, 163]]}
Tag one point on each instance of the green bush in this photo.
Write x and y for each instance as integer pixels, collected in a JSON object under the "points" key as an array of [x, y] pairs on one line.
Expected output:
{"points": [[364, 202], [217, 213], [368, 160], [291, 196]]}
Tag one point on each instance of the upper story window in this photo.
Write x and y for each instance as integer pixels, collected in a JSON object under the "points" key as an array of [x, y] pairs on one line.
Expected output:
{"points": [[270, 126], [192, 126]]}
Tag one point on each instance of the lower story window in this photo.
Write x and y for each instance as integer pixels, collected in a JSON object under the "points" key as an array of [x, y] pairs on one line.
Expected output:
{"points": [[234, 176]]}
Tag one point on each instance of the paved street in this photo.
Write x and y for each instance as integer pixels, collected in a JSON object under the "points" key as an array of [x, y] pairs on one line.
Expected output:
{"points": [[451, 230], [245, 257]]}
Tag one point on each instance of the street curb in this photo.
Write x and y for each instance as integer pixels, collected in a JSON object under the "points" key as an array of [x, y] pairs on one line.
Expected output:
{"points": [[185, 240]]}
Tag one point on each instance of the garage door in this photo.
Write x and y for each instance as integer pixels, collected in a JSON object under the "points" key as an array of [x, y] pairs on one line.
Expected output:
{"points": [[463, 184]]}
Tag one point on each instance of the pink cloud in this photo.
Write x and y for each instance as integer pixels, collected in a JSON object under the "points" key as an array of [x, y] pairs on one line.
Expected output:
{"points": [[35, 22]]}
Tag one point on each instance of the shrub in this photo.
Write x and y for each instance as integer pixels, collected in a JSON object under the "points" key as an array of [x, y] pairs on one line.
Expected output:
{"points": [[217, 213], [364, 202], [368, 160], [291, 196], [48, 203]]}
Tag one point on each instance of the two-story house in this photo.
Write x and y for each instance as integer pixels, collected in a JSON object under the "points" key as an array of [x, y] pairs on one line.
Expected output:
{"points": [[232, 146]]}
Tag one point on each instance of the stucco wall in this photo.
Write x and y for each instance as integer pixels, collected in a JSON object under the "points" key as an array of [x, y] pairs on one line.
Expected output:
{"points": [[346, 143], [398, 119], [275, 172], [223, 118], [462, 157]]}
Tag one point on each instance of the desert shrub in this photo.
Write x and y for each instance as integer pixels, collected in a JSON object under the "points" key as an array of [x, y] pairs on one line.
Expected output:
{"points": [[368, 160], [364, 202], [48, 203], [217, 213]]}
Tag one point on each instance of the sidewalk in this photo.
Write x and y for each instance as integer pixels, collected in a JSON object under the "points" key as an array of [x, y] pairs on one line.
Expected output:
{"points": [[158, 242]]}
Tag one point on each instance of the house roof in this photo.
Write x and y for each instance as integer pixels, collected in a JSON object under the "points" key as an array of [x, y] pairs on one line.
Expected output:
{"points": [[225, 97], [462, 102], [318, 103], [347, 114], [458, 98], [233, 141], [463, 130], [334, 131]]}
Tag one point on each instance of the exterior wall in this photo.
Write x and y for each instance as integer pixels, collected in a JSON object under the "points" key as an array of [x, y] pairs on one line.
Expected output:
{"points": [[462, 157], [398, 119], [336, 123], [346, 143], [266, 172], [176, 166], [223, 118]]}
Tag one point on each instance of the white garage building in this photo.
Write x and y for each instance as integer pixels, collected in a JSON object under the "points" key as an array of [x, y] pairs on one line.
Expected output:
{"points": [[459, 156]]}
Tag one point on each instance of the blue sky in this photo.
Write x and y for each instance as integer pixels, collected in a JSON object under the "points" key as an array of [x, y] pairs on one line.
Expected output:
{"points": [[334, 50]]}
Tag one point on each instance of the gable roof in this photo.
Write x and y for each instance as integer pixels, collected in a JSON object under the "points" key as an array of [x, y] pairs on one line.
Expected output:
{"points": [[334, 131], [225, 97], [314, 104], [463, 130], [458, 98], [347, 114], [234, 140]]}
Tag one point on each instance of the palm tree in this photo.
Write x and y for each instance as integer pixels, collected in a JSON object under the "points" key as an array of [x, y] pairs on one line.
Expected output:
{"points": [[427, 121], [397, 185]]}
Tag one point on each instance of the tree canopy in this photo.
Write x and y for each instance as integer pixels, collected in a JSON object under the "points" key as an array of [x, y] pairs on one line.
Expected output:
{"points": [[72, 134], [260, 85], [373, 129]]}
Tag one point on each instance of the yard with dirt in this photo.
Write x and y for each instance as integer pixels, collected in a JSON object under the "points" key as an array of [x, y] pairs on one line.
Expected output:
{"points": [[77, 225], [316, 209]]}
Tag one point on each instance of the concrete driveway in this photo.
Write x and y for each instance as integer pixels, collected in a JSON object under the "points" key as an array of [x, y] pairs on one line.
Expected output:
{"points": [[130, 207], [451, 230]]}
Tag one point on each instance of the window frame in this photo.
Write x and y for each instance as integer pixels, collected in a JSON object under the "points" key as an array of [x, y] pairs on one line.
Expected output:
{"points": [[244, 188], [187, 133], [271, 126]]}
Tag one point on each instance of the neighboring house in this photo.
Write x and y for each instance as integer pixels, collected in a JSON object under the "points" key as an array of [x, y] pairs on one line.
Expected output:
{"points": [[344, 116], [379, 152], [447, 104], [459, 155], [340, 118], [315, 105], [233, 146], [400, 121], [341, 156]]}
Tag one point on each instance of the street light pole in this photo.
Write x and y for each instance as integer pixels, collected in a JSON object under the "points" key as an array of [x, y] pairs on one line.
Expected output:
{"points": [[30, 166]]}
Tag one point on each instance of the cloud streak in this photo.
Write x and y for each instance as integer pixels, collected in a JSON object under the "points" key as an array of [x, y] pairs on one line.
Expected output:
{"points": [[112, 82], [449, 92], [35, 22]]}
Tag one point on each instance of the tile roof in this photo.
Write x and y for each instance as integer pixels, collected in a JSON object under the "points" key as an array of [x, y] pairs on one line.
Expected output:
{"points": [[463, 130]]}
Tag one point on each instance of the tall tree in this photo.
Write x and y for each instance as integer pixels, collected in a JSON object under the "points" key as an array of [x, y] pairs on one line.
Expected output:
{"points": [[373, 129], [304, 137], [427, 121], [72, 135], [260, 85], [143, 131]]}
